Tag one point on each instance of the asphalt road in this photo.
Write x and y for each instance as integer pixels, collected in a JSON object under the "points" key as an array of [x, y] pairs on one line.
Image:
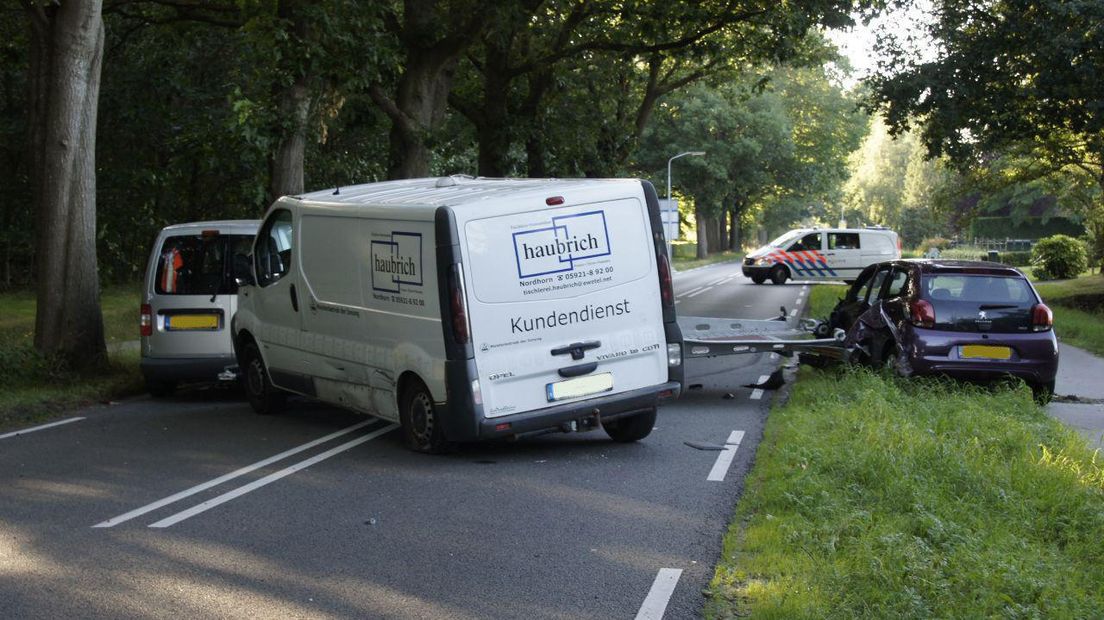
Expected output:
{"points": [[194, 506]]}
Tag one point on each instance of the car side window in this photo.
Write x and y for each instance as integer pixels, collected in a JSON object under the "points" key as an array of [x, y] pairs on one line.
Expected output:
{"points": [[897, 283], [272, 252], [874, 291], [843, 241], [808, 242]]}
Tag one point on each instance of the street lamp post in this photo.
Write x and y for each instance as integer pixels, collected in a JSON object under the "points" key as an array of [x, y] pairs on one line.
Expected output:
{"points": [[693, 154]]}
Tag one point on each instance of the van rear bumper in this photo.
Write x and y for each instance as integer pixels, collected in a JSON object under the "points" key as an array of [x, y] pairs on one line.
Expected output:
{"points": [[185, 368], [587, 412]]}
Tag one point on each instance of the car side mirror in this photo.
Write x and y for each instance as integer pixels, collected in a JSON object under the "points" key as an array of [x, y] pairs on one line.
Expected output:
{"points": [[243, 270]]}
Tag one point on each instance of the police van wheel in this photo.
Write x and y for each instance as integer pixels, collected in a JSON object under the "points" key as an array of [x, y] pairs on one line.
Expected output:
{"points": [[779, 274], [421, 427], [264, 397], [632, 428], [758, 279]]}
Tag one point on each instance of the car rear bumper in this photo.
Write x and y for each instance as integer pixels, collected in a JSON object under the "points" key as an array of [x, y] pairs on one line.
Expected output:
{"points": [[185, 368], [1034, 356]]}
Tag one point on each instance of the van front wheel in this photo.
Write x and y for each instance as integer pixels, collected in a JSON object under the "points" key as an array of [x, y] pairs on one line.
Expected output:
{"points": [[631, 428], [264, 397], [779, 274], [421, 426]]}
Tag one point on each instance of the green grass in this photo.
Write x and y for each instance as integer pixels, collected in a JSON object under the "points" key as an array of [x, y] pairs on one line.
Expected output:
{"points": [[1078, 306], [34, 387], [822, 298], [682, 264], [877, 497]]}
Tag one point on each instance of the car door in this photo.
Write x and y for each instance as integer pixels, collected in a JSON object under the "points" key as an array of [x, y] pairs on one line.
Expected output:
{"points": [[276, 300], [805, 258], [843, 255], [853, 304]]}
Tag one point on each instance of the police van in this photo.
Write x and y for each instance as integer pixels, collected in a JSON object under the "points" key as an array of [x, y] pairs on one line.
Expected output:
{"points": [[466, 309], [821, 254]]}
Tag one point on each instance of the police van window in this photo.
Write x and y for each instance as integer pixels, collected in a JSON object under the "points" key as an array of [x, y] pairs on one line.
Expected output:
{"points": [[273, 250], [843, 241], [808, 242], [198, 264]]}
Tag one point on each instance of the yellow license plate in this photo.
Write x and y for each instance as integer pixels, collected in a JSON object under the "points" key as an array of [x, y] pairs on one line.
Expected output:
{"points": [[183, 322], [978, 351], [582, 386]]}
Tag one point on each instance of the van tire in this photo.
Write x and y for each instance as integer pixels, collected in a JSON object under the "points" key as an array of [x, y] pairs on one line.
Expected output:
{"points": [[265, 398], [779, 274], [758, 279], [421, 427], [631, 428], [160, 388]]}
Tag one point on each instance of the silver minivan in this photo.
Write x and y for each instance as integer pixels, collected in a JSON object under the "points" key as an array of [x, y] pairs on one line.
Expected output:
{"points": [[189, 296]]}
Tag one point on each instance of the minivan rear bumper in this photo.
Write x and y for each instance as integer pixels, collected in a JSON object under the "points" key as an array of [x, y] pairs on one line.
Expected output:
{"points": [[185, 368]]}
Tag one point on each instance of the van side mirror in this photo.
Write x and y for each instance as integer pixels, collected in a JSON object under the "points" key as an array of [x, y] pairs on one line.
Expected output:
{"points": [[243, 270]]}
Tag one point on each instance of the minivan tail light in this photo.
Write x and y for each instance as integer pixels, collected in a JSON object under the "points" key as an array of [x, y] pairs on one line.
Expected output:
{"points": [[666, 288], [145, 320], [458, 306], [923, 313], [1042, 318]]}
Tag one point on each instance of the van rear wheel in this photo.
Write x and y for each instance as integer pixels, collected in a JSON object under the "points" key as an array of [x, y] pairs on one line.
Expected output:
{"points": [[264, 397], [421, 427], [631, 428]]}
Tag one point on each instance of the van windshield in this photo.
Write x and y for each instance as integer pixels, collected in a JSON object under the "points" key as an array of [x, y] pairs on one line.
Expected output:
{"points": [[786, 238], [199, 265]]}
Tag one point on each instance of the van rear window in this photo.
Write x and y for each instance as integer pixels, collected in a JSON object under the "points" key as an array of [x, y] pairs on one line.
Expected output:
{"points": [[198, 265]]}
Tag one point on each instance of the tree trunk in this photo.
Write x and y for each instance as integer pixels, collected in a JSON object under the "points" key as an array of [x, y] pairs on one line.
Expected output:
{"points": [[493, 132], [532, 111], [722, 231], [286, 164], [703, 236], [66, 56], [734, 232]]}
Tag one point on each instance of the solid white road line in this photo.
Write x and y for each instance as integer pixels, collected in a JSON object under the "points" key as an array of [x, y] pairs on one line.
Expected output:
{"points": [[724, 459], [137, 512], [694, 294], [269, 479], [660, 594], [698, 288], [38, 428]]}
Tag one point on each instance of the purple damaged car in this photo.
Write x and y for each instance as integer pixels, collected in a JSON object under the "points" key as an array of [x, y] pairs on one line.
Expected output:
{"points": [[966, 319]]}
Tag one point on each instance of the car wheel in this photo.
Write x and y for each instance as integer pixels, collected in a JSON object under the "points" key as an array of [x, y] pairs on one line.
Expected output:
{"points": [[631, 428], [1043, 392], [891, 360], [779, 274], [160, 389], [421, 428], [264, 397], [758, 279]]}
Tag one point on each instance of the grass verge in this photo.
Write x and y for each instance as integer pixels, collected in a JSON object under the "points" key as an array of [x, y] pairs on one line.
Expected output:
{"points": [[874, 497], [1078, 305], [682, 264], [34, 388]]}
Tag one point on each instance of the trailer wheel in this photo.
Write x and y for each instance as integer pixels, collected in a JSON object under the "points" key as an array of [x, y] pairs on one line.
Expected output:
{"points": [[631, 428], [779, 274], [421, 428], [264, 397]]}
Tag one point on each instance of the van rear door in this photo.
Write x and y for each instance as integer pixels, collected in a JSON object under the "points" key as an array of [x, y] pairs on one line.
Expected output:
{"points": [[564, 302]]}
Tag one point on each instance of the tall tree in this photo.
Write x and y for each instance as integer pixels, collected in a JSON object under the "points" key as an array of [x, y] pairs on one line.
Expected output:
{"points": [[67, 44]]}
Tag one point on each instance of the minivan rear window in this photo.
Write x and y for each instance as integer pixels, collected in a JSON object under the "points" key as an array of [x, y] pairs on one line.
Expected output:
{"points": [[199, 265]]}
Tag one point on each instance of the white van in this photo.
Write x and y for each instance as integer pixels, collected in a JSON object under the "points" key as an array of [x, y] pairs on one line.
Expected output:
{"points": [[466, 309], [189, 296], [821, 254]]}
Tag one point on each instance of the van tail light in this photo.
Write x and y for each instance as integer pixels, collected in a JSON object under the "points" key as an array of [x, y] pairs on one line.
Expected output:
{"points": [[1042, 318], [458, 306], [923, 313], [145, 320], [666, 287], [898, 244]]}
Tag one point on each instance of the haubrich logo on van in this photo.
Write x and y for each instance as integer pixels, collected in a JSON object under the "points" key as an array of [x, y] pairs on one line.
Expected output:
{"points": [[397, 262], [556, 248]]}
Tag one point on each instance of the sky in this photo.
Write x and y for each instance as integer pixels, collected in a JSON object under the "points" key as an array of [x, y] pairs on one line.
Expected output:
{"points": [[857, 44]]}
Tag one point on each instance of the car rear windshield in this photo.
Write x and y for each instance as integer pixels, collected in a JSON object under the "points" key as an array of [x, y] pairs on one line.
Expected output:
{"points": [[199, 264], [971, 302]]}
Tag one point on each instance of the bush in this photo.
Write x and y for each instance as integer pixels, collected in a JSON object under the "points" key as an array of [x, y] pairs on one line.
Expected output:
{"points": [[935, 242], [1059, 257], [1016, 259]]}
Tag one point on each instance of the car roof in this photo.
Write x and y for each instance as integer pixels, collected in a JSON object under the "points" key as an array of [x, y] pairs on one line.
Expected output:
{"points": [[936, 265], [848, 230]]}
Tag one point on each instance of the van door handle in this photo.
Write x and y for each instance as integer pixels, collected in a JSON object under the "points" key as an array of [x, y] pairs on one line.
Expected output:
{"points": [[577, 349], [577, 370], [294, 299]]}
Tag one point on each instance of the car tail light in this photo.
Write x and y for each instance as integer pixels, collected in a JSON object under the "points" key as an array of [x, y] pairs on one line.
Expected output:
{"points": [[666, 288], [145, 320], [1042, 318], [458, 307], [923, 313]]}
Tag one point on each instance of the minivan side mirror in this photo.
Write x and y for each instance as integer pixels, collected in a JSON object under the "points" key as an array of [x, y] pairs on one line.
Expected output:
{"points": [[243, 270]]}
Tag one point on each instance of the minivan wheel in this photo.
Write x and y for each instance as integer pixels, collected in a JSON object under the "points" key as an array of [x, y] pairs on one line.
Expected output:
{"points": [[779, 274], [160, 388], [631, 428], [264, 397], [421, 426]]}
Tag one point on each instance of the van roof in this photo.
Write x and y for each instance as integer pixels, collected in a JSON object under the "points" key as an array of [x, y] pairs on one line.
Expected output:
{"points": [[450, 191], [226, 226]]}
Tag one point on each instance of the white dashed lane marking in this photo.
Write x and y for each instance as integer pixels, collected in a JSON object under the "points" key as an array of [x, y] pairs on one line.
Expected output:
{"points": [[724, 459], [39, 428], [757, 393], [662, 588]]}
